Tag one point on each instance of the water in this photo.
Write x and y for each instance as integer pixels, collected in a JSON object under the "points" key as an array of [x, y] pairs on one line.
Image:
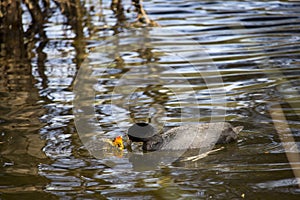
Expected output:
{"points": [[254, 45]]}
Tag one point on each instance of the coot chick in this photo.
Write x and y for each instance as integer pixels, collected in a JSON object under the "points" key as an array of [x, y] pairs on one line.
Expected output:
{"points": [[192, 136]]}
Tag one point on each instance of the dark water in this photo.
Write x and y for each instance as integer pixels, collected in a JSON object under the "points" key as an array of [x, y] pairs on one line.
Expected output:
{"points": [[245, 68]]}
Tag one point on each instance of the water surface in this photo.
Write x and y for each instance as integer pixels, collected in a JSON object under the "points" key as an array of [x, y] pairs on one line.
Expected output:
{"points": [[254, 45]]}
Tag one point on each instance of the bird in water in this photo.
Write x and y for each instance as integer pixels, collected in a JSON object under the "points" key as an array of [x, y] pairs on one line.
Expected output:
{"points": [[192, 136]]}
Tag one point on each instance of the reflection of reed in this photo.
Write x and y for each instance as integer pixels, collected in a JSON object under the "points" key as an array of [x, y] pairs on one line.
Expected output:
{"points": [[20, 112], [142, 17], [20, 45], [11, 31], [19, 108]]}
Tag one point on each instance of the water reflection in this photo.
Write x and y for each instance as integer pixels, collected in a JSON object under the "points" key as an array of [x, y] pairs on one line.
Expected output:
{"points": [[255, 46], [21, 144]]}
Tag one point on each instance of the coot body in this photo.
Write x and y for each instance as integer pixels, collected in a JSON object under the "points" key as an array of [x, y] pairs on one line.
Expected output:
{"points": [[191, 136]]}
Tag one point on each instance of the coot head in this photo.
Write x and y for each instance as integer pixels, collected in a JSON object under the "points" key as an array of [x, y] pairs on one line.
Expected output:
{"points": [[141, 132]]}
